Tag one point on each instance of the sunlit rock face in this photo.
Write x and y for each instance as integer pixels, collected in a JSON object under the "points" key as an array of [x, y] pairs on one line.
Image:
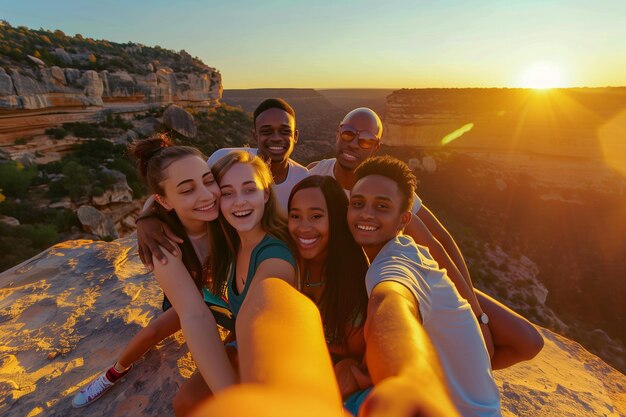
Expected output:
{"points": [[66, 315], [30, 89], [565, 122], [68, 312]]}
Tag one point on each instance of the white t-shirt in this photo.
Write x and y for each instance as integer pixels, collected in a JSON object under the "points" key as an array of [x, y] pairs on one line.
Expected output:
{"points": [[448, 321], [327, 167], [295, 174]]}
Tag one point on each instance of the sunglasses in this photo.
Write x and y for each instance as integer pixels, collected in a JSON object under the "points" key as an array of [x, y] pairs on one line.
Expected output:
{"points": [[367, 139]]}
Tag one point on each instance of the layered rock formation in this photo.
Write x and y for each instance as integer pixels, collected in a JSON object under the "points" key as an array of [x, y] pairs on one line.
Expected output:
{"points": [[67, 313], [565, 122], [48, 78], [24, 88]]}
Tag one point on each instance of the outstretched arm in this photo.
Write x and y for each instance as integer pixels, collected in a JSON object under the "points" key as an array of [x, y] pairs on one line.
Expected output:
{"points": [[197, 323], [274, 268], [407, 377], [285, 366]]}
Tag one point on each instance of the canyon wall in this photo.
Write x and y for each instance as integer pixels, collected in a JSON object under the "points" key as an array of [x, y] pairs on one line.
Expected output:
{"points": [[576, 122]]}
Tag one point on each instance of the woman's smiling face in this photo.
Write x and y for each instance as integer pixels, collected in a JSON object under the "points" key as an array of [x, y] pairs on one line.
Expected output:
{"points": [[309, 223], [190, 190], [243, 197]]}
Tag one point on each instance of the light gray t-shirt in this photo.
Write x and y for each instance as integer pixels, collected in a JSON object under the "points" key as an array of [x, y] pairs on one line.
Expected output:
{"points": [[295, 174], [327, 167], [448, 321]]}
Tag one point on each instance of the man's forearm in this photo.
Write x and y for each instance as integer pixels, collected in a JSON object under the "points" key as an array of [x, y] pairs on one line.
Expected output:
{"points": [[396, 343], [403, 364], [444, 237]]}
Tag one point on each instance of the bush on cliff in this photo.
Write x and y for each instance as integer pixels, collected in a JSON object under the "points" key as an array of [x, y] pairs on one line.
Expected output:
{"points": [[87, 53], [56, 132], [224, 126], [24, 241], [15, 178]]}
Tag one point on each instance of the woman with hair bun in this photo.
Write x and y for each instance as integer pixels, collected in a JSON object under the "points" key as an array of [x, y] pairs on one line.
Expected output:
{"points": [[187, 198]]}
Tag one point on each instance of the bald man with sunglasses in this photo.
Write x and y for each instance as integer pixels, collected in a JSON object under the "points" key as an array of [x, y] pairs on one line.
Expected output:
{"points": [[358, 138]]}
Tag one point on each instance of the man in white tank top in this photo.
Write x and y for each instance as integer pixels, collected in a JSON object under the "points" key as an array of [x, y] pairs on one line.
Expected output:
{"points": [[275, 134]]}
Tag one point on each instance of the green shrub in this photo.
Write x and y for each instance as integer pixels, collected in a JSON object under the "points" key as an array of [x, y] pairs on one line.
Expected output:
{"points": [[56, 190], [115, 122], [97, 191], [41, 235], [57, 132], [83, 130], [25, 241], [15, 179], [76, 180], [21, 141]]}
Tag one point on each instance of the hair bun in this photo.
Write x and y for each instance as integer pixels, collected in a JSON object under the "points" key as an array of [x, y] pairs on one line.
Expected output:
{"points": [[144, 150]]}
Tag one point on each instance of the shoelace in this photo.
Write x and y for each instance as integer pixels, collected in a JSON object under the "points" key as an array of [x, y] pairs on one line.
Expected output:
{"points": [[97, 387]]}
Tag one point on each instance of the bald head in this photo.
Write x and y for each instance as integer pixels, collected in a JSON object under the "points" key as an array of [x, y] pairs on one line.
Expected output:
{"points": [[364, 116]]}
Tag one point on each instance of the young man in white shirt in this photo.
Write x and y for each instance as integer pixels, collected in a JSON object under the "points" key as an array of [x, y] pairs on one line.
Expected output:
{"points": [[409, 295], [275, 133]]}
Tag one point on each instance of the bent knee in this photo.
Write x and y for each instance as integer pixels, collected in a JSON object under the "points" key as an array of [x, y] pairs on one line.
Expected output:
{"points": [[533, 344]]}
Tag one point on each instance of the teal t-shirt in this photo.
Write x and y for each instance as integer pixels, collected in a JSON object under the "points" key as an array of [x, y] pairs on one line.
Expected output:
{"points": [[269, 247]]}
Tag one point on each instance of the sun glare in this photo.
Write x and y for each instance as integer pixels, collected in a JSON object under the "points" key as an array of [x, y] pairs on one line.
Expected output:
{"points": [[542, 76]]}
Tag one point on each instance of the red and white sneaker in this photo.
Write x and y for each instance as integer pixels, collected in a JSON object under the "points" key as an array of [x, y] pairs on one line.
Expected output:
{"points": [[96, 389]]}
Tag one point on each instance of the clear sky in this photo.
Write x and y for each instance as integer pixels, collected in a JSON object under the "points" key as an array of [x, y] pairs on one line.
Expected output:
{"points": [[364, 44]]}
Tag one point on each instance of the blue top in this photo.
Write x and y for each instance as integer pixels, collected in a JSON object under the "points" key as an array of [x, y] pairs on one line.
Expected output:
{"points": [[269, 247]]}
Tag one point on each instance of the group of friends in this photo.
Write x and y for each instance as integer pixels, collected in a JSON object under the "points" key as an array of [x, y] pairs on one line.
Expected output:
{"points": [[341, 290]]}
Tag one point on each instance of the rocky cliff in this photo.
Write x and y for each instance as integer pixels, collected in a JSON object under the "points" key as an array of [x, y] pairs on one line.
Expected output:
{"points": [[579, 122], [47, 78], [66, 313], [27, 88]]}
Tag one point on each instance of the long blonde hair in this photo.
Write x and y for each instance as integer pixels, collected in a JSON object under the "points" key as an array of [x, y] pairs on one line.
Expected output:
{"points": [[273, 221]]}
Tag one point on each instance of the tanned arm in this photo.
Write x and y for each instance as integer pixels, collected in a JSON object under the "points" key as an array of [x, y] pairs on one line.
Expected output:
{"points": [[197, 323], [285, 366], [407, 376], [444, 237]]}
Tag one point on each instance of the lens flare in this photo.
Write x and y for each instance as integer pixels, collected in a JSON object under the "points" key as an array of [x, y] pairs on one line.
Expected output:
{"points": [[457, 133]]}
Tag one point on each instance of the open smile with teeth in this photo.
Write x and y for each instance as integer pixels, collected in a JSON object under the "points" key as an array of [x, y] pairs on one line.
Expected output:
{"points": [[242, 213], [277, 148], [208, 207], [348, 156], [366, 228], [308, 241]]}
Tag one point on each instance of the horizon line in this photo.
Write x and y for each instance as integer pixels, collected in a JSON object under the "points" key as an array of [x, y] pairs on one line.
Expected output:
{"points": [[425, 88]]}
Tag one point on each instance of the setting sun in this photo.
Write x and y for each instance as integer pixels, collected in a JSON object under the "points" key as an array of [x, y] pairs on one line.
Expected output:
{"points": [[542, 75]]}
